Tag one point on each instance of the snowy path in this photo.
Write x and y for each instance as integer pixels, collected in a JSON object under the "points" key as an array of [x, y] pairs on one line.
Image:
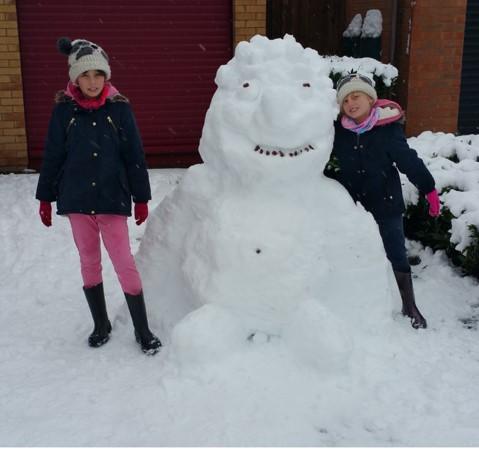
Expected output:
{"points": [[415, 388]]}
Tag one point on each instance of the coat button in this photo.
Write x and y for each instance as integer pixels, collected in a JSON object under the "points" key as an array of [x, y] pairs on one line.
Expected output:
{"points": [[92, 212], [360, 146], [93, 184], [95, 154], [355, 147], [94, 123]]}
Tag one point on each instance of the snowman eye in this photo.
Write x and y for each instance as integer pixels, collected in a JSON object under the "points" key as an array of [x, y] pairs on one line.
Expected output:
{"points": [[248, 91], [306, 85]]}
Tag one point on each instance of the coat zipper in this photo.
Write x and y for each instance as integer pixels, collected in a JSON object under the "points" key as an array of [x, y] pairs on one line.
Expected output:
{"points": [[111, 123], [70, 124]]}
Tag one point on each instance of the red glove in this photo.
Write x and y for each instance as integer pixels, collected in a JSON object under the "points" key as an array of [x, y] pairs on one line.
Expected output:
{"points": [[46, 213], [434, 204], [141, 212]]}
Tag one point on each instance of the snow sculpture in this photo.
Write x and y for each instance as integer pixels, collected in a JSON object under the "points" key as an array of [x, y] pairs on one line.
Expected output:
{"points": [[256, 234]]}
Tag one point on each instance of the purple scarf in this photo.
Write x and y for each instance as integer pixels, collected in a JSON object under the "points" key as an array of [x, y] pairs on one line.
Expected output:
{"points": [[365, 125]]}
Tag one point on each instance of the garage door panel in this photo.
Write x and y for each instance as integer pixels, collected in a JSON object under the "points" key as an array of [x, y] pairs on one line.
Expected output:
{"points": [[164, 56]]}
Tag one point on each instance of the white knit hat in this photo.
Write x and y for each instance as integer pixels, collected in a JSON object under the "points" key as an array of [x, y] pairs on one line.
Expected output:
{"points": [[83, 55], [354, 82]]}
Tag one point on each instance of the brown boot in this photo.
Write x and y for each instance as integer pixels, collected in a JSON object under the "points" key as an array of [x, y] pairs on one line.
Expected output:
{"points": [[409, 308]]}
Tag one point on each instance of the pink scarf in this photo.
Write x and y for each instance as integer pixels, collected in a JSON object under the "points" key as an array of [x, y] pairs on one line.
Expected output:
{"points": [[365, 125], [90, 103], [375, 118]]}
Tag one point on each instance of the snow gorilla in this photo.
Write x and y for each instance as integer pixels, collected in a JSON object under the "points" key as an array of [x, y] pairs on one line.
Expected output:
{"points": [[243, 245]]}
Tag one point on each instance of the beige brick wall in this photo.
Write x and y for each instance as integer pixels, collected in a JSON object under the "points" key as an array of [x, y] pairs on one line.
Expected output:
{"points": [[249, 18], [13, 141]]}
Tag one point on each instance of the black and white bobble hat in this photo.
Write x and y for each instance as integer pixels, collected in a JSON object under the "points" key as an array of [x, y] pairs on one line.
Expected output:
{"points": [[355, 82], [83, 55]]}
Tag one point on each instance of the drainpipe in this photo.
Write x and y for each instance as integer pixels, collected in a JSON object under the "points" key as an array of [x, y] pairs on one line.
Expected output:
{"points": [[394, 17]]}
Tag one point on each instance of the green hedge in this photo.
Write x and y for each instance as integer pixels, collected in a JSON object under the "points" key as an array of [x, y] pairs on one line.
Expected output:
{"points": [[434, 232]]}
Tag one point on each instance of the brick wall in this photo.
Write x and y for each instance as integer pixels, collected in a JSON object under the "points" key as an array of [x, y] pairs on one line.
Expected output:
{"points": [[13, 142], [354, 7], [249, 19], [435, 62]]}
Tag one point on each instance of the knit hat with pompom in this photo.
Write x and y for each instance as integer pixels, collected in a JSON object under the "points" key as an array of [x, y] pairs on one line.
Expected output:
{"points": [[83, 55], [355, 82]]}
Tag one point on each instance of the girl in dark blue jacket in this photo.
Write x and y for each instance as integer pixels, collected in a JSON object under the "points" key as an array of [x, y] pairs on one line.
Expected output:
{"points": [[369, 148], [93, 166]]}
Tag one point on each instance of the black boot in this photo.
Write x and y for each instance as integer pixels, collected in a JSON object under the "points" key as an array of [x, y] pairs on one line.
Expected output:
{"points": [[409, 308], [150, 343], [96, 302]]}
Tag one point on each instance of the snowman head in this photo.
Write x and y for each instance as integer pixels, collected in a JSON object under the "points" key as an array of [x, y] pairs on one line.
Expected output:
{"points": [[271, 117]]}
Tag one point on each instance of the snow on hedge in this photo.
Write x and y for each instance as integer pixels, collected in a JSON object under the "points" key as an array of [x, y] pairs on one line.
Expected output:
{"points": [[367, 66], [454, 163]]}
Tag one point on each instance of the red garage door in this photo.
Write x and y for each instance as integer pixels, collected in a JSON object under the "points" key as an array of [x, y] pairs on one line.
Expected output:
{"points": [[163, 55]]}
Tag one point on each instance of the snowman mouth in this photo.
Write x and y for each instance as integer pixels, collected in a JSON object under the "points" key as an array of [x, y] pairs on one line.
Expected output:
{"points": [[281, 152]]}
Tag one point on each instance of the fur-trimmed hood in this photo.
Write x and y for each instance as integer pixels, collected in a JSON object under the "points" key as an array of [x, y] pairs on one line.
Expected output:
{"points": [[62, 97], [389, 112]]}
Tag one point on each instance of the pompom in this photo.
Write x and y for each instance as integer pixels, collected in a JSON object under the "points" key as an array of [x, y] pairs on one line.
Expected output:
{"points": [[64, 45]]}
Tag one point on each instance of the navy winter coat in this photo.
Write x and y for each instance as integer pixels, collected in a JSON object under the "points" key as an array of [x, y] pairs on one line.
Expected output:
{"points": [[93, 160], [366, 165]]}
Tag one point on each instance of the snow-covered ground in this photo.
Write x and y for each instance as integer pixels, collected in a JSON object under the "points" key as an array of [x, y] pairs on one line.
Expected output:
{"points": [[268, 286], [418, 388]]}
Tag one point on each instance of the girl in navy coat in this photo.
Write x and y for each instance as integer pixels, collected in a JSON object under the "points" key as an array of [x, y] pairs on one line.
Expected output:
{"points": [[93, 166], [369, 149]]}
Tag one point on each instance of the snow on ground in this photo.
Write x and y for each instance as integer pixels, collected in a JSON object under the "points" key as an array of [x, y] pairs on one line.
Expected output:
{"points": [[414, 388]]}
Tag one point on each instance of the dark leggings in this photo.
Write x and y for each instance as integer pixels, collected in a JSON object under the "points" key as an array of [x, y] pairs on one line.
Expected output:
{"points": [[392, 233]]}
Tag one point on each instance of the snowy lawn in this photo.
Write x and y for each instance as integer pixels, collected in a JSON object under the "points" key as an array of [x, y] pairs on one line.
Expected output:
{"points": [[418, 388]]}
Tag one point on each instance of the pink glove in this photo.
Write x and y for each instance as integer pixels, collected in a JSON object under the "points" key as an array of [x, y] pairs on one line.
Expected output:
{"points": [[46, 213], [141, 212], [434, 204]]}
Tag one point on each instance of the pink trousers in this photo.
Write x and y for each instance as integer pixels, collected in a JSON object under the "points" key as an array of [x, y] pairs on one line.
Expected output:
{"points": [[114, 233]]}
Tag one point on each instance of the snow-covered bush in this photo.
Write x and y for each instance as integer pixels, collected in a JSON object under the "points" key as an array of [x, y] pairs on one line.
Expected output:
{"points": [[362, 39], [454, 163], [354, 28], [373, 24], [384, 75]]}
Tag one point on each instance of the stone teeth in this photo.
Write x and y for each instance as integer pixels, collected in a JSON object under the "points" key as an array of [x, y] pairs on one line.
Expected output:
{"points": [[292, 153]]}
